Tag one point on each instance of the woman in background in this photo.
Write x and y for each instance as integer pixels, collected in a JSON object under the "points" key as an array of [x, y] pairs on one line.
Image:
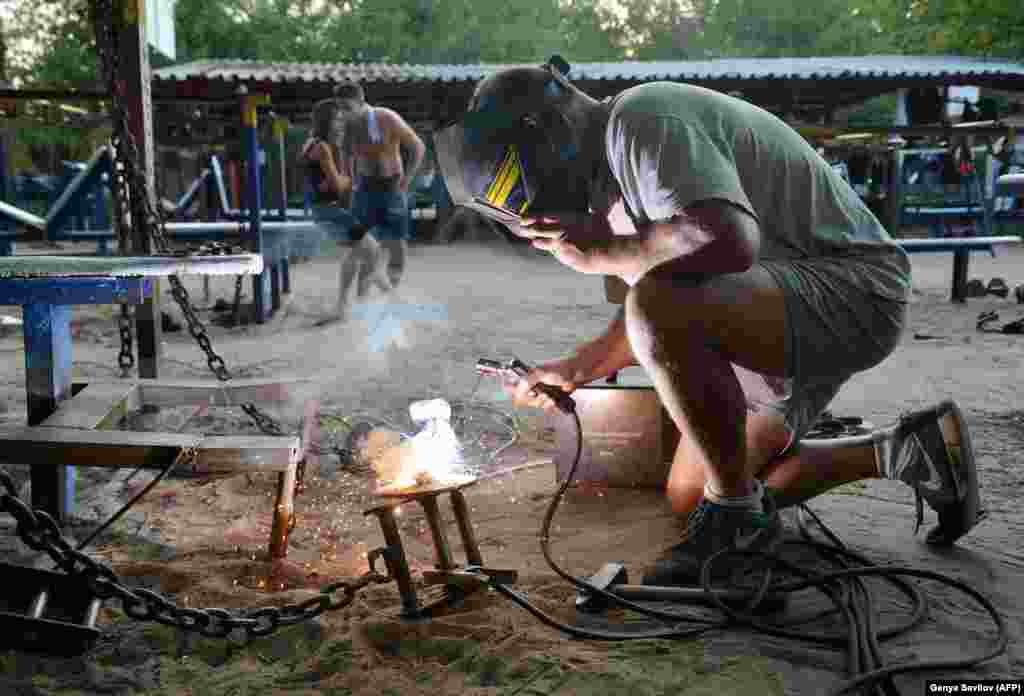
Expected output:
{"points": [[331, 184]]}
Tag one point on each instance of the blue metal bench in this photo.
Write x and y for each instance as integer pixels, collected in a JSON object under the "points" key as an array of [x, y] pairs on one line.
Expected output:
{"points": [[961, 248]]}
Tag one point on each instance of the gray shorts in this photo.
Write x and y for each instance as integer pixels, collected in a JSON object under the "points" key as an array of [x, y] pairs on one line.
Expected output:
{"points": [[841, 318]]}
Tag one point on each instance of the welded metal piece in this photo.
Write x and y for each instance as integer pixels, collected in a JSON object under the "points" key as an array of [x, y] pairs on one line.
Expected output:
{"points": [[433, 515], [458, 581], [461, 510], [407, 494], [398, 566]]}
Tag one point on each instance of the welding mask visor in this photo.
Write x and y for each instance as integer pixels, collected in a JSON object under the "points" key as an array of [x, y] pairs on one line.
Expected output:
{"points": [[507, 167]]}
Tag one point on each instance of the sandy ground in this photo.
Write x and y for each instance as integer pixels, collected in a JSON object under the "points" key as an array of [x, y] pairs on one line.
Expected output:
{"points": [[203, 540]]}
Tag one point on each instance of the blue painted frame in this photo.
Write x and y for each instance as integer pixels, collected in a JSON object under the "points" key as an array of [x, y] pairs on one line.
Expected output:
{"points": [[46, 306]]}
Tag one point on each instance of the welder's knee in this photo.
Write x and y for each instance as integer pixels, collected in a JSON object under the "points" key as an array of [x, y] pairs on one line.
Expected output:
{"points": [[658, 315], [684, 493]]}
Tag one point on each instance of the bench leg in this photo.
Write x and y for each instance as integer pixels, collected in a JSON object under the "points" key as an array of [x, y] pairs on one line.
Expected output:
{"points": [[284, 510], [261, 293], [960, 264], [48, 373], [275, 286]]}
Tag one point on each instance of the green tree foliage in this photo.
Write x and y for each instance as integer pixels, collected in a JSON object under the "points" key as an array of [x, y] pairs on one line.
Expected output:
{"points": [[270, 30], [974, 27], [69, 52], [49, 41]]}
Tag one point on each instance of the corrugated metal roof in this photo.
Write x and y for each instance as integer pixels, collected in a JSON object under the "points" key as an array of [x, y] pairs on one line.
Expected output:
{"points": [[844, 67]]}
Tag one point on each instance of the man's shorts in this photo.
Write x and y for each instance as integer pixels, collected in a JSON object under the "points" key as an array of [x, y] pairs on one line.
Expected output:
{"points": [[838, 323], [384, 212]]}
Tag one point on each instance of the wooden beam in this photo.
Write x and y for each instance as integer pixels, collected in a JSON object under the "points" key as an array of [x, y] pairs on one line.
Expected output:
{"points": [[97, 406], [117, 449]]}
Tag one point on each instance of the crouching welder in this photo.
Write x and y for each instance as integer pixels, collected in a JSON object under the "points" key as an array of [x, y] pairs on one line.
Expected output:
{"points": [[758, 284]]}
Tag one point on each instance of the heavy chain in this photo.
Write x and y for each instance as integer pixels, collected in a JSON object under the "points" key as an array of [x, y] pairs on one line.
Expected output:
{"points": [[126, 358], [126, 176], [39, 532]]}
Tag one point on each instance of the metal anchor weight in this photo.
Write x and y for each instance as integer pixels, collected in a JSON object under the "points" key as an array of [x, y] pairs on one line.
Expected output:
{"points": [[46, 612]]}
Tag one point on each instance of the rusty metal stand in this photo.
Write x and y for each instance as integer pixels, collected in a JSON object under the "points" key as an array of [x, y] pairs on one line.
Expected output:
{"points": [[458, 582]]}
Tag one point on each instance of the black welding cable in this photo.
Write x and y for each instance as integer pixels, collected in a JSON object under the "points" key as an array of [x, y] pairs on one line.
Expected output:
{"points": [[852, 603], [128, 506], [878, 571], [594, 634], [545, 547], [580, 632], [872, 654]]}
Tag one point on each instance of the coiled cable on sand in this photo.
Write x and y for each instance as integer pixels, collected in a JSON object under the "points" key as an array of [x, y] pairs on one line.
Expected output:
{"points": [[850, 596]]}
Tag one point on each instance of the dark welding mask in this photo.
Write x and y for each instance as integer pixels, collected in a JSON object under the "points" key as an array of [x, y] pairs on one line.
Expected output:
{"points": [[514, 153]]}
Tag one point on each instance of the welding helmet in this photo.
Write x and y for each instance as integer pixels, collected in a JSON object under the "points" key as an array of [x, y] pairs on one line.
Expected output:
{"points": [[514, 153]]}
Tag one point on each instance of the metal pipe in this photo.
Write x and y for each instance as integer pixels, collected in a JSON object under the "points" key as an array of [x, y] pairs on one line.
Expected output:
{"points": [[461, 510], [261, 291], [38, 606], [197, 228], [656, 593], [284, 509], [92, 613], [23, 216], [398, 566], [433, 514]]}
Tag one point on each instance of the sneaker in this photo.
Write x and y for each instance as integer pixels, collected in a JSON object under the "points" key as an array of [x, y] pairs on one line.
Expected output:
{"points": [[709, 529], [936, 460]]}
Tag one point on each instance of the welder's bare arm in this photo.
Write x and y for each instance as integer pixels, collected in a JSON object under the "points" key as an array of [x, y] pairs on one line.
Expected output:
{"points": [[606, 354], [714, 237]]}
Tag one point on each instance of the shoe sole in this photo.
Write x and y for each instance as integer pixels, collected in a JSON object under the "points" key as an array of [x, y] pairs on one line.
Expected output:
{"points": [[957, 519]]}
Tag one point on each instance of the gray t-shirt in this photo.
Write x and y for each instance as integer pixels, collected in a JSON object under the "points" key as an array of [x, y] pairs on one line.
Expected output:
{"points": [[671, 145]]}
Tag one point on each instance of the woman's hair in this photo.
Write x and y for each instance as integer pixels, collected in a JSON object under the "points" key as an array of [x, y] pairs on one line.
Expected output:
{"points": [[324, 113]]}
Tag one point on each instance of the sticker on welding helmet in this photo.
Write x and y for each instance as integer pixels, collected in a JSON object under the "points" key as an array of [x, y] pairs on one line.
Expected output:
{"points": [[507, 186]]}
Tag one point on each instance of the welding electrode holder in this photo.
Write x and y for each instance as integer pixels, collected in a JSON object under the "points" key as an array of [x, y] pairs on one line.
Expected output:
{"points": [[517, 369]]}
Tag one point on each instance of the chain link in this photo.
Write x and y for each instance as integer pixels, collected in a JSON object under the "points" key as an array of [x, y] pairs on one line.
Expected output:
{"points": [[126, 358], [126, 176], [38, 531]]}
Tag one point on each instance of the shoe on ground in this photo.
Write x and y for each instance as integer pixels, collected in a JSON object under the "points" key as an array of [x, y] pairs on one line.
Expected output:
{"points": [[709, 529], [937, 461], [998, 287], [976, 288]]}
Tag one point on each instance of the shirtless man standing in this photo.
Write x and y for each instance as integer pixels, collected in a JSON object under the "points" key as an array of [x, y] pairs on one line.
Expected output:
{"points": [[371, 148]]}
